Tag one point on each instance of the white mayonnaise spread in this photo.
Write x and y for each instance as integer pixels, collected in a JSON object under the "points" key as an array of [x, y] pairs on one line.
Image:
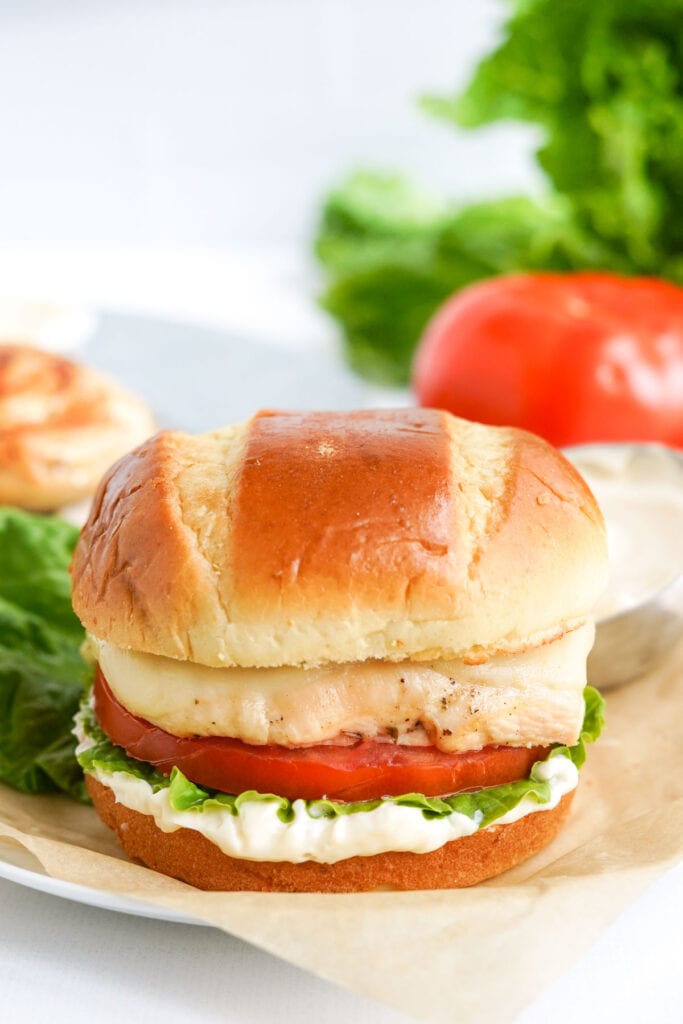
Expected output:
{"points": [[256, 832], [640, 492]]}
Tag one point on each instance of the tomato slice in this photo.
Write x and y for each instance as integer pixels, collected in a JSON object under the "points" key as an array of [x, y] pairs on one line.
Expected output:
{"points": [[366, 771]]}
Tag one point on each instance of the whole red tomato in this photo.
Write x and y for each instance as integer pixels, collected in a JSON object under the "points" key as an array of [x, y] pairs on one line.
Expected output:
{"points": [[573, 357]]}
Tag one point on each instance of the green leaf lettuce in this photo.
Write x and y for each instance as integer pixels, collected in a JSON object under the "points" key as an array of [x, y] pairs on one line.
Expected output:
{"points": [[42, 674]]}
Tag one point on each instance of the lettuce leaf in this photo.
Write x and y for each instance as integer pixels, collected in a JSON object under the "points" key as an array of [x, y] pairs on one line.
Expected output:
{"points": [[483, 806], [387, 276], [602, 80], [42, 674]]}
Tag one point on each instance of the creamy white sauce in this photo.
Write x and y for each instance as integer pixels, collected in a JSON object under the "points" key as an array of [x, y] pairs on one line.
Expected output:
{"points": [[256, 832], [640, 492]]}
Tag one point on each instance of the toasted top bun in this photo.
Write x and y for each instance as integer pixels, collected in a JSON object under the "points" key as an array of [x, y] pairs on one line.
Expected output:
{"points": [[305, 538], [61, 426]]}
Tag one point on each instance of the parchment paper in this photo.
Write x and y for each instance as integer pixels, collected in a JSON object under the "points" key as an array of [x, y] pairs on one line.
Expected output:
{"points": [[431, 954]]}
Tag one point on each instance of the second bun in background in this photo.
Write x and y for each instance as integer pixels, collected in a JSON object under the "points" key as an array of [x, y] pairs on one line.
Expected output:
{"points": [[61, 426]]}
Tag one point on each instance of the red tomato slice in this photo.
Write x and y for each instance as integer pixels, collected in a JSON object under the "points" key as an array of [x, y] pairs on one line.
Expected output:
{"points": [[366, 771], [572, 357]]}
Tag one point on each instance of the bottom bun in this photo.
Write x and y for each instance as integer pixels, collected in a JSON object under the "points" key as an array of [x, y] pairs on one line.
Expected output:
{"points": [[189, 856]]}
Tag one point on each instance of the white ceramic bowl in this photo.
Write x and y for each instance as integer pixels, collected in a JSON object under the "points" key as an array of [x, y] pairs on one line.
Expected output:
{"points": [[633, 640]]}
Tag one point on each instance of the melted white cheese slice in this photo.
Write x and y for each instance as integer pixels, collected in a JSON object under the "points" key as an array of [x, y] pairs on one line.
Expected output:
{"points": [[527, 699]]}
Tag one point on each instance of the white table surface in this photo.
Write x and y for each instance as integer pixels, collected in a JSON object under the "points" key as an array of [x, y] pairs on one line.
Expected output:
{"points": [[65, 962]]}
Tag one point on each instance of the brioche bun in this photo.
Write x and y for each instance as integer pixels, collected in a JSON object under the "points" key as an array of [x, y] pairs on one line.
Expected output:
{"points": [[61, 426], [304, 539]]}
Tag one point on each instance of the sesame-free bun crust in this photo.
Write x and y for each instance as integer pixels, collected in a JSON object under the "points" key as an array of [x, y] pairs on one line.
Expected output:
{"points": [[300, 539], [61, 426], [189, 856]]}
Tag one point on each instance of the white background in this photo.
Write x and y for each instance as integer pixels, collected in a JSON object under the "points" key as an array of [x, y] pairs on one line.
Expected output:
{"points": [[214, 122], [170, 156]]}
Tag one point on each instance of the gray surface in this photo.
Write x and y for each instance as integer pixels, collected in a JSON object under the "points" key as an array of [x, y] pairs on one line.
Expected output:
{"points": [[196, 378]]}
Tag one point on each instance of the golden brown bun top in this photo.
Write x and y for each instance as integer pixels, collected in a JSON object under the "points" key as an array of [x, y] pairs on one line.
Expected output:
{"points": [[301, 538], [61, 426]]}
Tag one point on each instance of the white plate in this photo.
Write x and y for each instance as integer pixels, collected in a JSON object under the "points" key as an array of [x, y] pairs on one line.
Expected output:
{"points": [[16, 865]]}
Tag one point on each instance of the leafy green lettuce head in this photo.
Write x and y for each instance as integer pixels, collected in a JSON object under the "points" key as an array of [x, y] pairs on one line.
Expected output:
{"points": [[602, 79]]}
